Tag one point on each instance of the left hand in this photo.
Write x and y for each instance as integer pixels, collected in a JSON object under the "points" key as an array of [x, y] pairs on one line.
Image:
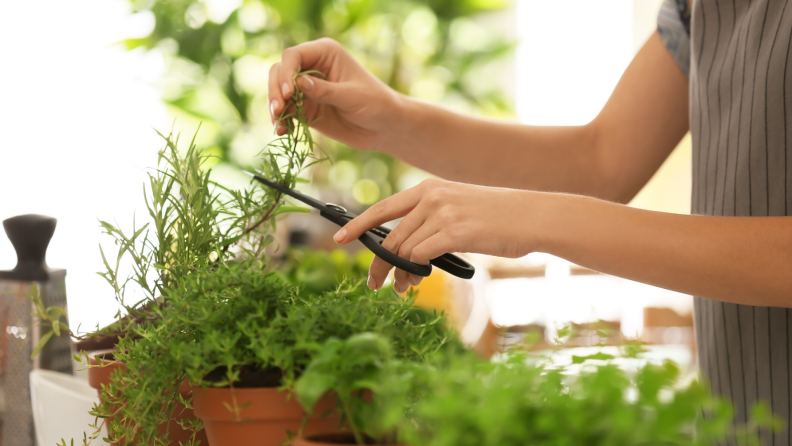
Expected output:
{"points": [[442, 216]]}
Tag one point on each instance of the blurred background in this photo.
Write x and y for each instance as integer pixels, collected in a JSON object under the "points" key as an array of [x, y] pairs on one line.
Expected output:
{"points": [[84, 84]]}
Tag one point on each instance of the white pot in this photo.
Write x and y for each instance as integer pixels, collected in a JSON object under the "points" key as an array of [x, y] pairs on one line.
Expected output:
{"points": [[61, 404]]}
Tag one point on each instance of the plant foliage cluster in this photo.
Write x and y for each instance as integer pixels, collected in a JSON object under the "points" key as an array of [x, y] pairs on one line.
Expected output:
{"points": [[459, 399], [512, 403]]}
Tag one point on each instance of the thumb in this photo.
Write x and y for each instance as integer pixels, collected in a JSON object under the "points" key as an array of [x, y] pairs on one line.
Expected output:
{"points": [[324, 92]]}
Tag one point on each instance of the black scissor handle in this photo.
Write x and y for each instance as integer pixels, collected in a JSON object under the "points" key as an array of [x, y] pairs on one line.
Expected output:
{"points": [[373, 238], [454, 265], [449, 263], [372, 242]]}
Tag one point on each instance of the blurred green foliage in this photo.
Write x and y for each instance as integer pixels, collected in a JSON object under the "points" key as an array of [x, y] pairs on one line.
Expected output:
{"points": [[218, 54], [321, 271]]}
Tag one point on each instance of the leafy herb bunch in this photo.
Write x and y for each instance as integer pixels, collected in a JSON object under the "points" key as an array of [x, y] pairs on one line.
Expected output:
{"points": [[213, 311], [518, 401]]}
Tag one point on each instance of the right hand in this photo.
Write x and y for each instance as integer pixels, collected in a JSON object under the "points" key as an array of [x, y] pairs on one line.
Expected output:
{"points": [[351, 105]]}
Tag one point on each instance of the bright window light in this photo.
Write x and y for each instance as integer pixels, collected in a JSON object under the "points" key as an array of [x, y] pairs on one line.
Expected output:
{"points": [[570, 57]]}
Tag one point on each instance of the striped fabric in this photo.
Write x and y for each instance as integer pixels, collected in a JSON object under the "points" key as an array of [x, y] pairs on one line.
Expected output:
{"points": [[673, 26], [741, 124]]}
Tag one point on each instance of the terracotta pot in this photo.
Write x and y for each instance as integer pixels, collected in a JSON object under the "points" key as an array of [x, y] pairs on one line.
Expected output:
{"points": [[265, 418], [98, 376], [330, 439]]}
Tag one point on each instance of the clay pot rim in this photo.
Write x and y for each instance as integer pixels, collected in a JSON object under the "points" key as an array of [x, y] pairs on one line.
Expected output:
{"points": [[102, 353]]}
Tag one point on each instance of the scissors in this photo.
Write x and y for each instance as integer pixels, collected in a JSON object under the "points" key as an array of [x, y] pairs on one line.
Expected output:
{"points": [[373, 238]]}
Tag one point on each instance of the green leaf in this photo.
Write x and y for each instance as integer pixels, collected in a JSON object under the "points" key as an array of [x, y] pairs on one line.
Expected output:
{"points": [[291, 210], [311, 386], [595, 357], [41, 344], [131, 44]]}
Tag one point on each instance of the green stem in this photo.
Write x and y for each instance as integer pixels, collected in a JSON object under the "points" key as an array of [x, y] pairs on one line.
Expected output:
{"points": [[355, 429]]}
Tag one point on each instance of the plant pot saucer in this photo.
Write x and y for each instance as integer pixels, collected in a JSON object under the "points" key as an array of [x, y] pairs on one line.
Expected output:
{"points": [[329, 439]]}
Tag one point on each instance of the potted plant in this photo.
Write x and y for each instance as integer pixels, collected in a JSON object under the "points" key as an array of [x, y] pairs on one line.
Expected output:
{"points": [[217, 329]]}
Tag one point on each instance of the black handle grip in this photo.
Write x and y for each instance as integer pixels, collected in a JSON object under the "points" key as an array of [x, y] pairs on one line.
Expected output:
{"points": [[454, 265], [372, 242], [372, 239]]}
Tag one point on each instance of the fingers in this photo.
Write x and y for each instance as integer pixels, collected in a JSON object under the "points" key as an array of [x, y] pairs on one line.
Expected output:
{"points": [[386, 210], [413, 228], [432, 247], [378, 272], [428, 244], [301, 57], [403, 280], [276, 101], [305, 56], [320, 91], [379, 269]]}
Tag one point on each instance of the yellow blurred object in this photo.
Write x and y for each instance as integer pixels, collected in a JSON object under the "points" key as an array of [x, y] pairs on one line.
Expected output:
{"points": [[443, 292], [438, 292], [434, 292]]}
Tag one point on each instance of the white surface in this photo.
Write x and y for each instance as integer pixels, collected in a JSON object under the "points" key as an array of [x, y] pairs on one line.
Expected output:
{"points": [[60, 407], [76, 117], [554, 301]]}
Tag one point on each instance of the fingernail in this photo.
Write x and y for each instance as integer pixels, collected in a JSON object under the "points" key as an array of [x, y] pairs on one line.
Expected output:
{"points": [[273, 106], [371, 283], [307, 83], [285, 89], [340, 235]]}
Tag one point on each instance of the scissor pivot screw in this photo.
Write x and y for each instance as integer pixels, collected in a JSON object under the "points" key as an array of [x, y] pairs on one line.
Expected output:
{"points": [[336, 208]]}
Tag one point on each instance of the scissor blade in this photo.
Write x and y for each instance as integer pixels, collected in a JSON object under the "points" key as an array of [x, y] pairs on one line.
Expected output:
{"points": [[290, 192]]}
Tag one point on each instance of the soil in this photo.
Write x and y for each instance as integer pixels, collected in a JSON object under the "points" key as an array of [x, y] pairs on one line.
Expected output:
{"points": [[249, 377]]}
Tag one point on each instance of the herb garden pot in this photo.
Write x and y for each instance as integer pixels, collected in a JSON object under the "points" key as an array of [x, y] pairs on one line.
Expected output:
{"points": [[99, 376], [328, 439], [265, 415]]}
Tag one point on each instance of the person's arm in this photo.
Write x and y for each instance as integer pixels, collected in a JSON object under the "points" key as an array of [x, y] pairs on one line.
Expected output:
{"points": [[746, 260], [611, 158]]}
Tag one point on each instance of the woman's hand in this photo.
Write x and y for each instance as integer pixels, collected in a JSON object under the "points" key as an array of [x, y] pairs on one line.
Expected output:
{"points": [[350, 105], [442, 216]]}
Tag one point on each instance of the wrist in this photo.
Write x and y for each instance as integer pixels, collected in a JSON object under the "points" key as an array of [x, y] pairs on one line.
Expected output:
{"points": [[404, 118], [551, 216]]}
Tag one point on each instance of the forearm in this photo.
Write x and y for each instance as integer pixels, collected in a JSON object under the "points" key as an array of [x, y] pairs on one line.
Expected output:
{"points": [[611, 158], [746, 260], [495, 153]]}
